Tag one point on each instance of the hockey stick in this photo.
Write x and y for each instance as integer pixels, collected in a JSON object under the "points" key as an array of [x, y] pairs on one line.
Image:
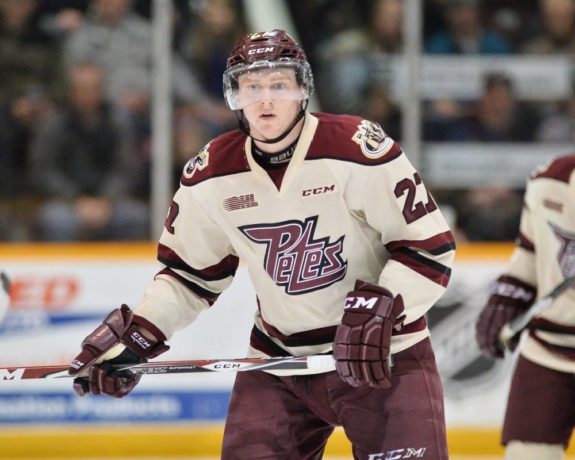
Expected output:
{"points": [[515, 326], [322, 363]]}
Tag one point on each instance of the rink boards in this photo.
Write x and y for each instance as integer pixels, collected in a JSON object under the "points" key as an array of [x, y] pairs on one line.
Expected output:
{"points": [[61, 292]]}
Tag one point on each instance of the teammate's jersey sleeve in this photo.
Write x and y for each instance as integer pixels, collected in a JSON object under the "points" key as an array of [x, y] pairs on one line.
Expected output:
{"points": [[523, 263], [543, 257]]}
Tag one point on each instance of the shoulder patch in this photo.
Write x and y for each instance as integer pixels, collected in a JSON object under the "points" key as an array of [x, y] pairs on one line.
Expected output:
{"points": [[372, 139], [199, 162]]}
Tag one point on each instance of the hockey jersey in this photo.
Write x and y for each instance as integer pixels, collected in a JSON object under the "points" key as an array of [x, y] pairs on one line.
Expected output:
{"points": [[544, 256], [350, 206]]}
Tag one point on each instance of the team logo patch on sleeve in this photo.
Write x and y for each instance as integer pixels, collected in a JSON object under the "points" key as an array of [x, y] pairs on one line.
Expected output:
{"points": [[371, 138], [199, 162]]}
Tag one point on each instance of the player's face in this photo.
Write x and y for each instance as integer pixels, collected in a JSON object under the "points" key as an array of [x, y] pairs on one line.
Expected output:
{"points": [[271, 100]]}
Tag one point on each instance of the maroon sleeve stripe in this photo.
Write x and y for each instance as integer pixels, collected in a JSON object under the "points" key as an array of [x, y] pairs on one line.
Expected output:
{"points": [[407, 252], [209, 296], [436, 245], [430, 269], [263, 343], [523, 242], [223, 269], [565, 350], [545, 325]]}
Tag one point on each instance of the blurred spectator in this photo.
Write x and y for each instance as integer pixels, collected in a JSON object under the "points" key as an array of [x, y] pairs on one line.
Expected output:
{"points": [[488, 213], [512, 19], [354, 59], [385, 30], [559, 126], [496, 117], [379, 107], [84, 164], [465, 32], [60, 17], [29, 82], [558, 35], [318, 22], [29, 69], [206, 43], [120, 42], [205, 46]]}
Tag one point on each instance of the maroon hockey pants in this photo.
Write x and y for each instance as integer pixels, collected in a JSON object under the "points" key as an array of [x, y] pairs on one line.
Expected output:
{"points": [[291, 418], [541, 405]]}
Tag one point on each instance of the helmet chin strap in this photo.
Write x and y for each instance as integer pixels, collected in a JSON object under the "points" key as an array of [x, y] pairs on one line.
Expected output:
{"points": [[243, 125]]}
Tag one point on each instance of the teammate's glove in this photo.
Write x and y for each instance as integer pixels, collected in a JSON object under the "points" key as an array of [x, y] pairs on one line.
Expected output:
{"points": [[362, 340], [509, 298], [101, 349]]}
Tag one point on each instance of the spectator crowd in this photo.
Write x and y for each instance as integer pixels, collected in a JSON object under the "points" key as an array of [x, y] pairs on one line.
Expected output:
{"points": [[75, 130]]}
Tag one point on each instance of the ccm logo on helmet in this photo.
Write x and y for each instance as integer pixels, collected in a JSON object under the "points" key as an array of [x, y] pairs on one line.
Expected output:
{"points": [[360, 302], [261, 50]]}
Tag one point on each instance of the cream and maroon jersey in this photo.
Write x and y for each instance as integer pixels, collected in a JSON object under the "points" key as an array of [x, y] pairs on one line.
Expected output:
{"points": [[545, 256], [350, 206]]}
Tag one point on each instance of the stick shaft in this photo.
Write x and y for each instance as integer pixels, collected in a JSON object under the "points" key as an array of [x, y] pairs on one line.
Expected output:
{"points": [[519, 323], [315, 362]]}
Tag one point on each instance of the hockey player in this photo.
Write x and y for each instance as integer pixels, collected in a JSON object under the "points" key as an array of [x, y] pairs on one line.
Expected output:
{"points": [[540, 413], [346, 250]]}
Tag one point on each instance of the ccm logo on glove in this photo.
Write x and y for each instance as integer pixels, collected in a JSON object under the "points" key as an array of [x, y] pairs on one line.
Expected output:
{"points": [[360, 302], [362, 341], [137, 339]]}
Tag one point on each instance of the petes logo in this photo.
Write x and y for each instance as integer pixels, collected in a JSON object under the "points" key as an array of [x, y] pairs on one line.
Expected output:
{"points": [[566, 256], [199, 162], [372, 139], [294, 259]]}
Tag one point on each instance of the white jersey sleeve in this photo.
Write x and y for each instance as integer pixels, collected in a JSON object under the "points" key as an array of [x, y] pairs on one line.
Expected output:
{"points": [[199, 262], [393, 200]]}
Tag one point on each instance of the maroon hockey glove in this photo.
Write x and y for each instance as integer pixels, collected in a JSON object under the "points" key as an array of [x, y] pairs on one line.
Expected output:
{"points": [[362, 340], [509, 298], [104, 379], [142, 339]]}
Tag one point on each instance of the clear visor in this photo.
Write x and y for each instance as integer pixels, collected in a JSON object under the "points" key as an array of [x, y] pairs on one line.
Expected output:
{"points": [[265, 81]]}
